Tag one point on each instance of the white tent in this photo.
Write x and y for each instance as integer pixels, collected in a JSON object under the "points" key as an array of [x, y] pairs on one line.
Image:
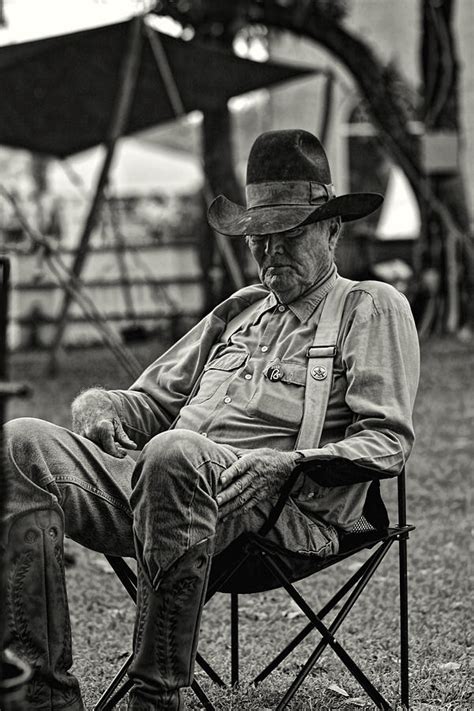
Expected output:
{"points": [[400, 214], [138, 170]]}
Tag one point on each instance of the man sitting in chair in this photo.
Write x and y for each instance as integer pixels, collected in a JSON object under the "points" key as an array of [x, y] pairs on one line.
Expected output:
{"points": [[218, 420]]}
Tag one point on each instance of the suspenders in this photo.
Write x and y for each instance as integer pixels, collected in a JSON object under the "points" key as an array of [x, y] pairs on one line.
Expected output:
{"points": [[320, 365], [320, 360]]}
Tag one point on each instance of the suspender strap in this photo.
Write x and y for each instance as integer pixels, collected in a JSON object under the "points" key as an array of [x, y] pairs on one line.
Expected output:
{"points": [[320, 365]]}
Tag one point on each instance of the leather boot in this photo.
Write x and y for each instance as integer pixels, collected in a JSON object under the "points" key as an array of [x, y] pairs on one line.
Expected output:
{"points": [[167, 631], [38, 628]]}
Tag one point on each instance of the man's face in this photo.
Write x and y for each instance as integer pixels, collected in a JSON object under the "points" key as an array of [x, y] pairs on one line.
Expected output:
{"points": [[289, 263]]}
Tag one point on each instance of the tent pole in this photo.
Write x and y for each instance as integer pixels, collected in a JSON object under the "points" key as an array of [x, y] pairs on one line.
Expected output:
{"points": [[223, 244], [118, 123]]}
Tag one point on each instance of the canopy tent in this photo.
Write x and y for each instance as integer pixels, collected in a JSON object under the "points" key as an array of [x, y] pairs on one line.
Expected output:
{"points": [[60, 91], [72, 92], [139, 169]]}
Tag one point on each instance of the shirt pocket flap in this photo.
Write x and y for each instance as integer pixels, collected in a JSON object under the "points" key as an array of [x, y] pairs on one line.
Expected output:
{"points": [[294, 374], [227, 361], [287, 372]]}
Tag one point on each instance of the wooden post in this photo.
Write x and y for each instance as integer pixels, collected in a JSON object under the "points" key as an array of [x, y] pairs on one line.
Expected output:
{"points": [[176, 102], [118, 123]]}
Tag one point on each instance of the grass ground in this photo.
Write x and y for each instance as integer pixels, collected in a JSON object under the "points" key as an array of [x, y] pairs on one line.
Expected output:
{"points": [[438, 500]]}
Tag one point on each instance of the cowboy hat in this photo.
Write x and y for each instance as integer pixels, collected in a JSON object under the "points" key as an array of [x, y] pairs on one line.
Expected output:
{"points": [[288, 185]]}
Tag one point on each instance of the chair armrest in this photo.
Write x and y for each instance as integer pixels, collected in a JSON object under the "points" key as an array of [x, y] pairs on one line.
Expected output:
{"points": [[327, 471], [337, 471]]}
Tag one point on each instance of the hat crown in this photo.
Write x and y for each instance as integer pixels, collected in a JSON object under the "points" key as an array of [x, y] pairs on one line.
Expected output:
{"points": [[287, 155]]}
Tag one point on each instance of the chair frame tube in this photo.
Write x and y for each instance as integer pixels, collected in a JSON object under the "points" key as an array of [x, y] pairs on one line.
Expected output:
{"points": [[403, 574], [344, 656], [354, 586], [310, 627]]}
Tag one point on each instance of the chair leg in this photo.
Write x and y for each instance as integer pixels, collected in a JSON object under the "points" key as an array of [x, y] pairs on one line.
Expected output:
{"points": [[404, 680], [234, 637], [339, 595], [202, 696], [346, 659], [113, 693]]}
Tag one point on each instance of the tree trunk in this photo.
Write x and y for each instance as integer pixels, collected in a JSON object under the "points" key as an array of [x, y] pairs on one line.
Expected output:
{"points": [[441, 112]]}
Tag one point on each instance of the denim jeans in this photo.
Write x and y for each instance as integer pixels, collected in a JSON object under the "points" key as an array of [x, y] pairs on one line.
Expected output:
{"points": [[155, 508]]}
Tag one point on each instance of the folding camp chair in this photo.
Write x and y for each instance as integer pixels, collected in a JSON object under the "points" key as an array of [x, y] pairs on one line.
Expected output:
{"points": [[253, 564]]}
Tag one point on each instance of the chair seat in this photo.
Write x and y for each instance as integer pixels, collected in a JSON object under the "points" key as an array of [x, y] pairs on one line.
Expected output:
{"points": [[251, 576]]}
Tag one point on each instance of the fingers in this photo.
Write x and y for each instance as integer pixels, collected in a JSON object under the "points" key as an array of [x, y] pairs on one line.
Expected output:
{"points": [[238, 489], [241, 503], [229, 474], [105, 438], [121, 437]]}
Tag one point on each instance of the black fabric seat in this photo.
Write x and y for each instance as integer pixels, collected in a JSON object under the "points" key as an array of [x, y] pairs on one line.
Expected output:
{"points": [[253, 564]]}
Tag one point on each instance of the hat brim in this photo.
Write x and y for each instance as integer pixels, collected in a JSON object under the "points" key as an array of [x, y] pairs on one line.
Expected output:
{"points": [[234, 220]]}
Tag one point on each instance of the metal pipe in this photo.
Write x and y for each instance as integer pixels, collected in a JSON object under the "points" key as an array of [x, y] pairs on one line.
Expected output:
{"points": [[118, 123], [347, 660], [4, 286], [14, 672], [234, 637], [336, 598], [179, 110], [403, 572]]}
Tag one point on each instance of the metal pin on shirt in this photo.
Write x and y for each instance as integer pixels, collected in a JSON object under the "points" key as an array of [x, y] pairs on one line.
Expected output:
{"points": [[274, 373], [319, 372]]}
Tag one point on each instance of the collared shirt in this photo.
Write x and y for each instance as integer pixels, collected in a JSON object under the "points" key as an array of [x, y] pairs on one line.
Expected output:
{"points": [[369, 415], [251, 393]]}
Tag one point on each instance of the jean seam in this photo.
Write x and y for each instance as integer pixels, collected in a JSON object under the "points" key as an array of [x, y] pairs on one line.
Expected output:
{"points": [[190, 513], [211, 461], [93, 490]]}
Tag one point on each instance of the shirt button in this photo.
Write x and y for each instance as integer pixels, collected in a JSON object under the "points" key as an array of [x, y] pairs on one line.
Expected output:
{"points": [[248, 376], [227, 399], [281, 308], [264, 349]]}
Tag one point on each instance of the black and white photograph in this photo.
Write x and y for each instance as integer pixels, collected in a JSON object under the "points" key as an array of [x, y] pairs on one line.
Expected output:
{"points": [[236, 355]]}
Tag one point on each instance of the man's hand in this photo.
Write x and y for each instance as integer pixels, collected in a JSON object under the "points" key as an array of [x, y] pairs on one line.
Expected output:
{"points": [[255, 476], [95, 417]]}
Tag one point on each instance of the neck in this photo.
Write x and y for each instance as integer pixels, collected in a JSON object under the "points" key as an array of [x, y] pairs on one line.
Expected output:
{"points": [[330, 271]]}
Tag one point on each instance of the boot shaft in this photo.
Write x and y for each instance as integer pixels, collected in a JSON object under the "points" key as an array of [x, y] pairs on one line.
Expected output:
{"points": [[38, 627]]}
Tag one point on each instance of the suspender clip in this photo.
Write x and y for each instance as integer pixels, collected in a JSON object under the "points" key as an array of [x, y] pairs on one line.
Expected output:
{"points": [[321, 352]]}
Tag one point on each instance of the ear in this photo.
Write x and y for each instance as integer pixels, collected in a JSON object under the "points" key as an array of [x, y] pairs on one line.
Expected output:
{"points": [[334, 231]]}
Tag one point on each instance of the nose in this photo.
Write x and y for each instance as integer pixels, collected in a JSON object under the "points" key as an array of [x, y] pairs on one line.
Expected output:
{"points": [[274, 244]]}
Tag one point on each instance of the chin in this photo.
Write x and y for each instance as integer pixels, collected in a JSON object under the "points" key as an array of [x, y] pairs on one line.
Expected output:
{"points": [[285, 294]]}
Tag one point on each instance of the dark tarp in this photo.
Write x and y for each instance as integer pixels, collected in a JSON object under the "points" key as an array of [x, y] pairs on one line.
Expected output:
{"points": [[58, 93]]}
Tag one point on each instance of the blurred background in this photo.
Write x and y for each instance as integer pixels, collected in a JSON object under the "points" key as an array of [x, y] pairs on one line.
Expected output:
{"points": [[119, 121], [96, 172]]}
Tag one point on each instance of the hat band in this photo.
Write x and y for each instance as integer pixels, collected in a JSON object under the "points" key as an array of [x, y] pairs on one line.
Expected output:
{"points": [[288, 192]]}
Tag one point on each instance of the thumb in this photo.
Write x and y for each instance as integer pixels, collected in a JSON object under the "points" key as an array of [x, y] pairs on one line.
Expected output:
{"points": [[121, 436]]}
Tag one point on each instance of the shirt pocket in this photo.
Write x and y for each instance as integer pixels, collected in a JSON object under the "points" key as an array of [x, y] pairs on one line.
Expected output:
{"points": [[279, 400], [218, 372]]}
